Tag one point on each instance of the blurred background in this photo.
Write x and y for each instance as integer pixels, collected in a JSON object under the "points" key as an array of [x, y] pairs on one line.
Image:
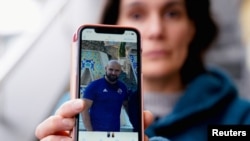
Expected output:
{"points": [[35, 39]]}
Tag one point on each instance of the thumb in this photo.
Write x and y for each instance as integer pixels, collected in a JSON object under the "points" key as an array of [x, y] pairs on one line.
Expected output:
{"points": [[148, 118]]}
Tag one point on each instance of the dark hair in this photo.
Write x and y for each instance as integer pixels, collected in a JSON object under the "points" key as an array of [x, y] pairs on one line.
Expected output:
{"points": [[206, 31]]}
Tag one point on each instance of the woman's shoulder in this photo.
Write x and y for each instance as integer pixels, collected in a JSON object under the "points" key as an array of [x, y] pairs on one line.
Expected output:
{"points": [[240, 107]]}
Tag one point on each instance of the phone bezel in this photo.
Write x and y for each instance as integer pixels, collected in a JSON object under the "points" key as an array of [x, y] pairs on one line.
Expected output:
{"points": [[113, 29]]}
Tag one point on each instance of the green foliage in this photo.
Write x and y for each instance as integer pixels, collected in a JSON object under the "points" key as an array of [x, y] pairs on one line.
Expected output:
{"points": [[122, 50]]}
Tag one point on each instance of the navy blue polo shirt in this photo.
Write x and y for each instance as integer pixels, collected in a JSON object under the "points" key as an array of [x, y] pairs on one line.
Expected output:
{"points": [[107, 102]]}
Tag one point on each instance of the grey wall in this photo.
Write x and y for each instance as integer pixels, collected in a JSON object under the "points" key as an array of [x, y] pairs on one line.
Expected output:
{"points": [[229, 52], [29, 93]]}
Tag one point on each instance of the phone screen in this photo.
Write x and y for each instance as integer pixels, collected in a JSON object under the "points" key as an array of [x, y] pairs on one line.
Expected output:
{"points": [[110, 84]]}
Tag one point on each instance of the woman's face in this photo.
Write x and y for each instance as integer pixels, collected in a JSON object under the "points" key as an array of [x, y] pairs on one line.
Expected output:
{"points": [[166, 33]]}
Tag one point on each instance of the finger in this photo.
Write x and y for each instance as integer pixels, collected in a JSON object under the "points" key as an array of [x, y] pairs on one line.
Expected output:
{"points": [[55, 125], [71, 108], [57, 138], [148, 118], [145, 138]]}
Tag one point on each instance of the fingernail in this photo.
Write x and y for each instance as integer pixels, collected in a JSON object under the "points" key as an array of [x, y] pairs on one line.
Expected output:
{"points": [[78, 105], [68, 122], [65, 138]]}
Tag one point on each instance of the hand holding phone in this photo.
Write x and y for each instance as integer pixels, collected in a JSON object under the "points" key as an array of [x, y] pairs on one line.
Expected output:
{"points": [[108, 79]]}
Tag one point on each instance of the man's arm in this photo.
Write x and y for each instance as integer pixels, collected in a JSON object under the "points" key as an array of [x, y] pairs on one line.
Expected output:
{"points": [[125, 105], [86, 116]]}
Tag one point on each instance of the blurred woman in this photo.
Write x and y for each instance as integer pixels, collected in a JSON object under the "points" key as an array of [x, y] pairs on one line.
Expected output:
{"points": [[183, 95]]}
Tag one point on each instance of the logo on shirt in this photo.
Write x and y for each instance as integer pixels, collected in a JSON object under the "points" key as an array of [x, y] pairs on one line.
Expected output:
{"points": [[119, 91], [105, 90]]}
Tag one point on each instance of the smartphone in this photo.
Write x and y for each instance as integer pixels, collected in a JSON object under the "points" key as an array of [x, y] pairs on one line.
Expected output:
{"points": [[108, 79]]}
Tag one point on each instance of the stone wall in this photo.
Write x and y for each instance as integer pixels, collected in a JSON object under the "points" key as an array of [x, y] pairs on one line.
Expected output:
{"points": [[111, 50]]}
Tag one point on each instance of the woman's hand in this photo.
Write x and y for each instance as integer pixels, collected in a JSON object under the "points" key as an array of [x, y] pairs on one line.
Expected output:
{"points": [[59, 126], [148, 119]]}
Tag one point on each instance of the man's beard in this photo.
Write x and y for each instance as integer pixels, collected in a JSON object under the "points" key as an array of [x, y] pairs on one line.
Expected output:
{"points": [[111, 77]]}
